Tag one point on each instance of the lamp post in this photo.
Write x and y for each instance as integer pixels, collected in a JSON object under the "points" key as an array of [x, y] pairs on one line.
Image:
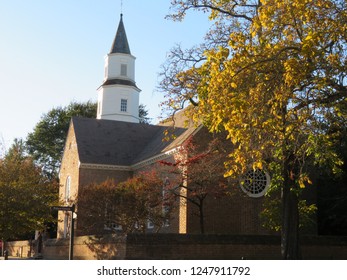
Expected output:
{"points": [[72, 232], [72, 228]]}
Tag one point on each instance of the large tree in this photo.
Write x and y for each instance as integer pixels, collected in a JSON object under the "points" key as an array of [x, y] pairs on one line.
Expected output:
{"points": [[25, 195], [46, 142], [272, 74]]}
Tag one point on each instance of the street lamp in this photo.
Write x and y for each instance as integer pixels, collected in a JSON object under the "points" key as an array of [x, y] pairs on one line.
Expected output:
{"points": [[72, 228]]}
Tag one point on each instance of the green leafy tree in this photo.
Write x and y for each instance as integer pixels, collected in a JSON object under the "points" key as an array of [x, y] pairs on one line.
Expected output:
{"points": [[46, 143], [143, 114], [25, 195], [272, 74]]}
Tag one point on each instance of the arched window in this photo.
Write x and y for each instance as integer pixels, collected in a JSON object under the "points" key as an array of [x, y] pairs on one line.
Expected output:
{"points": [[67, 188]]}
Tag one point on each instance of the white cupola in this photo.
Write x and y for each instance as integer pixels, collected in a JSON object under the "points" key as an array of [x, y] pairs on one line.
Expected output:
{"points": [[118, 96]]}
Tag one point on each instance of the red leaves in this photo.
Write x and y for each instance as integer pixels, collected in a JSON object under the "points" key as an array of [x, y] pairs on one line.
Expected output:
{"points": [[200, 167]]}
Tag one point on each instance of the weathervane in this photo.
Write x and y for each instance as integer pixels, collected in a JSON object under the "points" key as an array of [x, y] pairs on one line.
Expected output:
{"points": [[121, 6]]}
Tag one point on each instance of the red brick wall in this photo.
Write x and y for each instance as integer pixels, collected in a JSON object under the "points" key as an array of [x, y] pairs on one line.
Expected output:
{"points": [[219, 247], [185, 246], [69, 167], [234, 214]]}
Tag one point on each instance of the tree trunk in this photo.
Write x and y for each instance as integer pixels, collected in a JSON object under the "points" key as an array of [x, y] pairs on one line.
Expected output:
{"points": [[201, 217], [2, 247], [290, 218]]}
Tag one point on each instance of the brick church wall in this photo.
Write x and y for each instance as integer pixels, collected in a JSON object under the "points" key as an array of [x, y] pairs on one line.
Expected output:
{"points": [[69, 168], [234, 214], [70, 165]]}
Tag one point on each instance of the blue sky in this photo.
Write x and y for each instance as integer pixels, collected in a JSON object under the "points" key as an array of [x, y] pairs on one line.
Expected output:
{"points": [[52, 53]]}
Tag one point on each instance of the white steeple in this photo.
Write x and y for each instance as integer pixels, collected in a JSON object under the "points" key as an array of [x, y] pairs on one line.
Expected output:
{"points": [[118, 96]]}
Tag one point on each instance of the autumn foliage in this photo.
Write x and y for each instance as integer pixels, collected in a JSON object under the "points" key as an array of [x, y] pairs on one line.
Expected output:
{"points": [[26, 195], [272, 75], [196, 174], [124, 207]]}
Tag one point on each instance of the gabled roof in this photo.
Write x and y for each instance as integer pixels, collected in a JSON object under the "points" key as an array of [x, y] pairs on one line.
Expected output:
{"points": [[120, 43], [121, 143]]}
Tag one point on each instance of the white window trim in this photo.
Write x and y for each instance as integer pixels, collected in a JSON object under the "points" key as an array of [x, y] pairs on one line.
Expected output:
{"points": [[67, 188], [150, 225], [124, 104]]}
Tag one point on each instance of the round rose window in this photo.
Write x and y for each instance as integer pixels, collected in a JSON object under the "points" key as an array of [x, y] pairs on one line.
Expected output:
{"points": [[255, 182]]}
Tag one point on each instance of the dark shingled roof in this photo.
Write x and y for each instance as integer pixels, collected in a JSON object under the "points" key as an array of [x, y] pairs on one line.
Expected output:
{"points": [[120, 43], [119, 82], [121, 143]]}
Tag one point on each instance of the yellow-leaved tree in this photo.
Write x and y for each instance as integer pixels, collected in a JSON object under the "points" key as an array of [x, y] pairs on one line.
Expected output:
{"points": [[272, 74]]}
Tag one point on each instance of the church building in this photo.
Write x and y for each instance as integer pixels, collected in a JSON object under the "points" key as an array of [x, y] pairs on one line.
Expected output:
{"points": [[116, 145]]}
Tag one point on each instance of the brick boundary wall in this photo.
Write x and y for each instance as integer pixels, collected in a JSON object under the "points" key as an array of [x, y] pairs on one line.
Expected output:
{"points": [[265, 247], [20, 249], [87, 247], [183, 246], [108, 247], [191, 246]]}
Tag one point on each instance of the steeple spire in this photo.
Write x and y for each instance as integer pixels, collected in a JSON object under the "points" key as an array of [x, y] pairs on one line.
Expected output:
{"points": [[118, 96], [120, 43]]}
